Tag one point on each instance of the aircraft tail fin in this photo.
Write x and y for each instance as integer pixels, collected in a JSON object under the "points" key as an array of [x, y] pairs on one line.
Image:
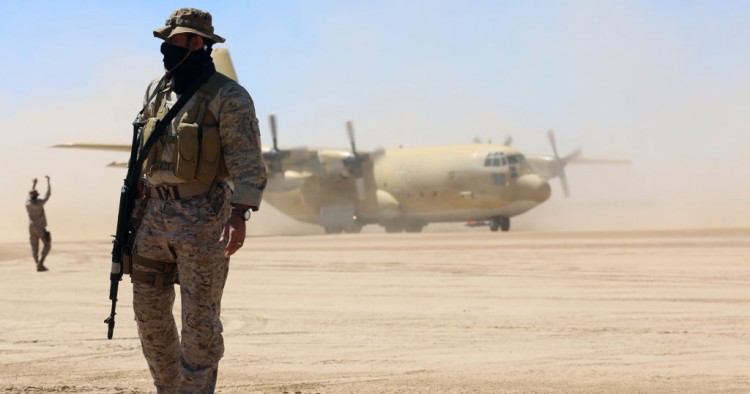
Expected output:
{"points": [[223, 63]]}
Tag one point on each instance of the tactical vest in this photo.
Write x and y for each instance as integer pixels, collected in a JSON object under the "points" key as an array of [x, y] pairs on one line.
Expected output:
{"points": [[196, 143]]}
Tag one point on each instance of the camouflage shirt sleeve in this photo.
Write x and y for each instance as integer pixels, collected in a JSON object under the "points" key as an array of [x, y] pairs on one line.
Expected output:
{"points": [[148, 100], [240, 143]]}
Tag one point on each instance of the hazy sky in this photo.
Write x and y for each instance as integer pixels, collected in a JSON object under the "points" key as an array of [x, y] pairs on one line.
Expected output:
{"points": [[662, 83]]}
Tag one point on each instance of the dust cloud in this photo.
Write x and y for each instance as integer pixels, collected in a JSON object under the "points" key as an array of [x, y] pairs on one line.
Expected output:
{"points": [[645, 97]]}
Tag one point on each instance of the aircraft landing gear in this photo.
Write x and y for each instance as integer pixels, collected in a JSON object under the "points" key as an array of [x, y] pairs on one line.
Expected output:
{"points": [[414, 227], [352, 229], [393, 228], [332, 230], [403, 226], [499, 222]]}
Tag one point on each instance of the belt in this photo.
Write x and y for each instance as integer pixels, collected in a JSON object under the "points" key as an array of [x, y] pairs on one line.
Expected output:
{"points": [[178, 191]]}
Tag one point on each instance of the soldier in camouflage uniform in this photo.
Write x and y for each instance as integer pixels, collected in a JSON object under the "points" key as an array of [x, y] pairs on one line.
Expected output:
{"points": [[193, 215], [38, 225]]}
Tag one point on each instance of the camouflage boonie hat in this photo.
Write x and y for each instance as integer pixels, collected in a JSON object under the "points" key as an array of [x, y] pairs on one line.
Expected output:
{"points": [[33, 192], [188, 20]]}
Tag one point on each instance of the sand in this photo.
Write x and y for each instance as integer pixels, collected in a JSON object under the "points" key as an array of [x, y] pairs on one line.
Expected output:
{"points": [[462, 312]]}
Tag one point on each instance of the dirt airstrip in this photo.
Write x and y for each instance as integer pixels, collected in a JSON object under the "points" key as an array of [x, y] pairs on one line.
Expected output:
{"points": [[466, 312]]}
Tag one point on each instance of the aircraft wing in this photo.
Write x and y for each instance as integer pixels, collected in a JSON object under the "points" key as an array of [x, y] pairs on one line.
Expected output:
{"points": [[122, 164], [311, 161], [545, 166], [584, 160], [94, 146], [549, 167], [319, 162], [554, 166]]}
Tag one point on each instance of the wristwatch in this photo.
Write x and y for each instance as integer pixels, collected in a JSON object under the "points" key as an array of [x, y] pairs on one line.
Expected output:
{"points": [[245, 214]]}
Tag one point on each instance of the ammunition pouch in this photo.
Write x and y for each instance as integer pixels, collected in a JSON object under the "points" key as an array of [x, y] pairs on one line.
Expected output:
{"points": [[163, 273], [186, 159], [196, 143], [158, 273], [210, 156]]}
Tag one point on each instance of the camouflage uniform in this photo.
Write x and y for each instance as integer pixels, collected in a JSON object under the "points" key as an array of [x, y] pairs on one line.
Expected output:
{"points": [[186, 232], [38, 228]]}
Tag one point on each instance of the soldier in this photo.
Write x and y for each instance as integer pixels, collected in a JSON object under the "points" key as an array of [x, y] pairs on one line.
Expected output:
{"points": [[192, 219], [38, 225]]}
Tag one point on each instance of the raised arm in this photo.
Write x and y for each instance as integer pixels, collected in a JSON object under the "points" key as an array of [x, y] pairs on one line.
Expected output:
{"points": [[49, 189]]}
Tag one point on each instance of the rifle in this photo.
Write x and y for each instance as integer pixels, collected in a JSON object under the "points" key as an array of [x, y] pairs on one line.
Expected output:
{"points": [[125, 230], [124, 237]]}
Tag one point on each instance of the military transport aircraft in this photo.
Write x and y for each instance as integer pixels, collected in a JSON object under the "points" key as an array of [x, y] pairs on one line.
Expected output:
{"points": [[401, 189], [405, 189]]}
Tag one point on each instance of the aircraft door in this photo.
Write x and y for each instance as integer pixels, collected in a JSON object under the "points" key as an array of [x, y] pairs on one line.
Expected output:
{"points": [[502, 174], [501, 183]]}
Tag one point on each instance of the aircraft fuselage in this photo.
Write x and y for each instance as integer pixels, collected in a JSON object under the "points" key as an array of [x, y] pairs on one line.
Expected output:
{"points": [[408, 188]]}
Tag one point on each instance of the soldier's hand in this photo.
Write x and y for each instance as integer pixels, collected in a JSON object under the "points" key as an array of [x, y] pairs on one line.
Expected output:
{"points": [[47, 176], [233, 235]]}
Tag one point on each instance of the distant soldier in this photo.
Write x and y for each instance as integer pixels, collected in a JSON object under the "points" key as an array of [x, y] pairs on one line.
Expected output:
{"points": [[193, 220], [38, 225]]}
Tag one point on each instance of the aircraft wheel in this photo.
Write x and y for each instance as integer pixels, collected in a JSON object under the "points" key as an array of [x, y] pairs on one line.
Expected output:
{"points": [[393, 228], [332, 230], [414, 227], [495, 223], [354, 229], [504, 223]]}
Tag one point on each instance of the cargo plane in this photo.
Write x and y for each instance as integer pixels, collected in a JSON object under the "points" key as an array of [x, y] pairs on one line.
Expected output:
{"points": [[402, 189]]}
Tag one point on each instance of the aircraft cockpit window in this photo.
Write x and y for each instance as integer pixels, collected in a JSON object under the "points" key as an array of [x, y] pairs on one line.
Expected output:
{"points": [[495, 159], [516, 159]]}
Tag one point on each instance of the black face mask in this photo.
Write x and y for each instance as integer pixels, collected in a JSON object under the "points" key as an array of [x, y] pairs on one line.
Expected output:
{"points": [[189, 70], [173, 55]]}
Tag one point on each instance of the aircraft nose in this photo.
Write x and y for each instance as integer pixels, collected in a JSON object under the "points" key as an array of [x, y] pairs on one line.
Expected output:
{"points": [[532, 187]]}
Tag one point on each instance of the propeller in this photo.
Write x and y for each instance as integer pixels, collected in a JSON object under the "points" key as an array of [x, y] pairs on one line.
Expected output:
{"points": [[508, 141], [559, 163], [354, 161], [350, 133], [275, 156]]}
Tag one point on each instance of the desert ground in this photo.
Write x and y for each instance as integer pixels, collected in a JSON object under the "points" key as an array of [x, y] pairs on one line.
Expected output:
{"points": [[459, 312]]}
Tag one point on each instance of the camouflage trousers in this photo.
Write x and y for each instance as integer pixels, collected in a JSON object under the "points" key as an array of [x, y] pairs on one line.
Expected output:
{"points": [[187, 233], [35, 235]]}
